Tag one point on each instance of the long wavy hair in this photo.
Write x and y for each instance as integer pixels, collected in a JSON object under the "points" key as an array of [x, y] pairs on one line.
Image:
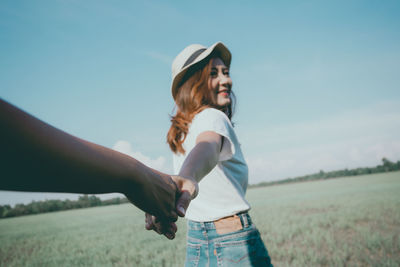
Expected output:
{"points": [[194, 95]]}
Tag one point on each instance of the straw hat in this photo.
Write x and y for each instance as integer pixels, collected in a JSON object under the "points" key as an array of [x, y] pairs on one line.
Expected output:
{"points": [[192, 55]]}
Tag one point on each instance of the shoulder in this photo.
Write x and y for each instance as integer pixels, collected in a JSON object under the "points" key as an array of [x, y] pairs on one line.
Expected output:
{"points": [[212, 115], [214, 120], [211, 119]]}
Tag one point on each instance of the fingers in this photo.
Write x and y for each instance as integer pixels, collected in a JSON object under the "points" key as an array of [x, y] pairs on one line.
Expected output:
{"points": [[186, 184], [182, 203], [149, 222], [188, 190], [171, 230], [173, 216], [166, 228]]}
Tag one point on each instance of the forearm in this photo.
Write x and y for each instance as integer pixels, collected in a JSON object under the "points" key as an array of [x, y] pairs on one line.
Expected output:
{"points": [[200, 161], [38, 157]]}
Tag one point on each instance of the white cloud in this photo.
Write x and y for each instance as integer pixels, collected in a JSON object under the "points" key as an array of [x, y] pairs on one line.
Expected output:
{"points": [[296, 162], [159, 163], [353, 139]]}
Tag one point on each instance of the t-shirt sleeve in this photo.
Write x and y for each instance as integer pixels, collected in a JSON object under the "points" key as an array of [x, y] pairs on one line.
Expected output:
{"points": [[215, 121]]}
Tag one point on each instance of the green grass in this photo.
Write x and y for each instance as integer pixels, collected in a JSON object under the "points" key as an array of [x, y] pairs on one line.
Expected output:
{"points": [[339, 222]]}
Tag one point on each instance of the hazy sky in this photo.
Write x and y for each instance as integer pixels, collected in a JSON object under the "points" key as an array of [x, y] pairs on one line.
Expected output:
{"points": [[317, 82]]}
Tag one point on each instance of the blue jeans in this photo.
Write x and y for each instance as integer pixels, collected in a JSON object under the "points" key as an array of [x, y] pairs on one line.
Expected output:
{"points": [[205, 247]]}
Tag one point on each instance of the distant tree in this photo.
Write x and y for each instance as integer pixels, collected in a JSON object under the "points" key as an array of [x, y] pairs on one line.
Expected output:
{"points": [[386, 166], [4, 210], [94, 201], [36, 207]]}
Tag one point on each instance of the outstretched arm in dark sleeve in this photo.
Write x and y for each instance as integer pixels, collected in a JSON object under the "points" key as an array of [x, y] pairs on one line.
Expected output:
{"points": [[35, 156]]}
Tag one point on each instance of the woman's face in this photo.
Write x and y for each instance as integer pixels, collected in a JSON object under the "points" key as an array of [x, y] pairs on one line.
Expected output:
{"points": [[219, 82]]}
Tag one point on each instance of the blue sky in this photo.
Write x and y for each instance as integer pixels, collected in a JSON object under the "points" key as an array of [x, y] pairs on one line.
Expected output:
{"points": [[317, 82]]}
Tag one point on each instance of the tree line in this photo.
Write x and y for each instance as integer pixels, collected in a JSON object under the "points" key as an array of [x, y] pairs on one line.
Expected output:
{"points": [[386, 166], [36, 207], [86, 201]]}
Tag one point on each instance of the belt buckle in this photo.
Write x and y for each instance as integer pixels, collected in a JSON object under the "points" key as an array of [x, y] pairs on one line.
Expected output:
{"points": [[228, 225]]}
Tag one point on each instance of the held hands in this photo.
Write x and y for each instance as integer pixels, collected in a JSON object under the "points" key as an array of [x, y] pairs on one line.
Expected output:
{"points": [[187, 190]]}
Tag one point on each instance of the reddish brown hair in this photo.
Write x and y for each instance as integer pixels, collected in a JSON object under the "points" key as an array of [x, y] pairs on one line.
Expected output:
{"points": [[193, 96]]}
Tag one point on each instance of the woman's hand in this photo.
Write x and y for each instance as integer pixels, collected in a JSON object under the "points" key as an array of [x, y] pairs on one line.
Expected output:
{"points": [[187, 191]]}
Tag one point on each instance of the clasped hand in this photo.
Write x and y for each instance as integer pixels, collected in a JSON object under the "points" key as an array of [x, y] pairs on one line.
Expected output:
{"points": [[187, 190]]}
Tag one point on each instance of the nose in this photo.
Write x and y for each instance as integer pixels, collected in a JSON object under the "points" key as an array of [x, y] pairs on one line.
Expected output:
{"points": [[224, 80]]}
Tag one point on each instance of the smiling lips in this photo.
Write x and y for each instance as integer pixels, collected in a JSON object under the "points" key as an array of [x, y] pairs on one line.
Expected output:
{"points": [[223, 92]]}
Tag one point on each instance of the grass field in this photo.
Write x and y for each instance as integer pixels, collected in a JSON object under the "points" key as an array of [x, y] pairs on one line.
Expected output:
{"points": [[339, 222]]}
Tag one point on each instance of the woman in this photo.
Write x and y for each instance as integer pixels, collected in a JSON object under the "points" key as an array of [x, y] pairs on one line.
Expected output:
{"points": [[206, 150]]}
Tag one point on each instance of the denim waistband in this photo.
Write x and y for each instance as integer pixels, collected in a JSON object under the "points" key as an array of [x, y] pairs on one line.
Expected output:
{"points": [[244, 219]]}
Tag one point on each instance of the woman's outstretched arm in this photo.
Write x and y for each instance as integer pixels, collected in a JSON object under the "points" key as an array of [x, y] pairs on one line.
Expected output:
{"points": [[35, 156], [203, 157], [200, 161]]}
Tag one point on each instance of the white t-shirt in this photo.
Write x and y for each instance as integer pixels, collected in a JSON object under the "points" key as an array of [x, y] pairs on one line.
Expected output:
{"points": [[221, 192]]}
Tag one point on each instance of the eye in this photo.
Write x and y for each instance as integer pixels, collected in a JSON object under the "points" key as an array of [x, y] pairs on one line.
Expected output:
{"points": [[213, 73], [226, 73]]}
